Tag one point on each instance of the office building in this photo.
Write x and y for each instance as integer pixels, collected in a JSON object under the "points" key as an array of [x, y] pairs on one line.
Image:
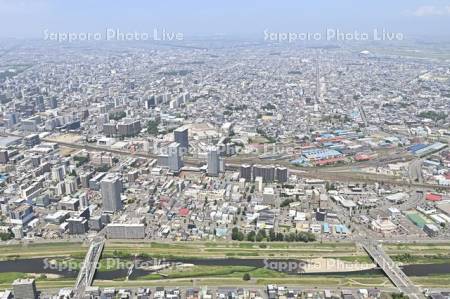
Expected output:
{"points": [[213, 162], [35, 160], [125, 231], [245, 172], [21, 214], [39, 103], [11, 118], [282, 174], [128, 127], [181, 136], [174, 159], [24, 289], [70, 185], [85, 178], [94, 183], [58, 173], [111, 187], [267, 172], [4, 158], [53, 103], [110, 129], [95, 223], [150, 102], [133, 175], [77, 226], [32, 140]]}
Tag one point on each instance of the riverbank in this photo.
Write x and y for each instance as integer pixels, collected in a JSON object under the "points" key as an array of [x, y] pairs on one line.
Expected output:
{"points": [[324, 264]]}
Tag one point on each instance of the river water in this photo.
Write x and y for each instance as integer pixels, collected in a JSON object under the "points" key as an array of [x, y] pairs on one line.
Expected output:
{"points": [[42, 266]]}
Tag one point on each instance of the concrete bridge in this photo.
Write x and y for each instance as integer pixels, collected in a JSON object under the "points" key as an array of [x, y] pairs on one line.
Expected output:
{"points": [[391, 269]]}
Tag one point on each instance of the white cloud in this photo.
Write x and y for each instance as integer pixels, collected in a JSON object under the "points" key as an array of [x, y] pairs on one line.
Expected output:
{"points": [[431, 11]]}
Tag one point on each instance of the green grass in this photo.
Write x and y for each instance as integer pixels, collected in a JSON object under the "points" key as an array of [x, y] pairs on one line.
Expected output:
{"points": [[267, 273], [409, 259], [432, 280], [183, 250], [330, 280], [419, 253], [11, 252], [240, 254], [207, 271], [232, 249], [9, 277]]}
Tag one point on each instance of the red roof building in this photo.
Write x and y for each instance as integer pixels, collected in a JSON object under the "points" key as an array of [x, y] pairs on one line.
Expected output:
{"points": [[433, 197], [183, 212]]}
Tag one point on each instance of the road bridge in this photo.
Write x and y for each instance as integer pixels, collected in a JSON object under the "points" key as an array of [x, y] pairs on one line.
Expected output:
{"points": [[87, 270], [391, 269]]}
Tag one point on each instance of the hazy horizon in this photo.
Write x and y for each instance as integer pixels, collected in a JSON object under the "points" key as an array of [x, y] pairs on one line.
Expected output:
{"points": [[29, 19]]}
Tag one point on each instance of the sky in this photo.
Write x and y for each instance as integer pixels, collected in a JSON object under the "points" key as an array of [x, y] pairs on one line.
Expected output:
{"points": [[30, 18]]}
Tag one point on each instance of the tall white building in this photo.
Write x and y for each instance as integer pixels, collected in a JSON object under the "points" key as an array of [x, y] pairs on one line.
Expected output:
{"points": [[58, 173], [111, 187], [174, 157], [213, 161]]}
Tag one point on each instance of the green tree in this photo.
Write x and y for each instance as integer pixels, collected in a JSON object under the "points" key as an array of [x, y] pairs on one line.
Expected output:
{"points": [[251, 236], [152, 127], [280, 237], [234, 233], [272, 235], [261, 235]]}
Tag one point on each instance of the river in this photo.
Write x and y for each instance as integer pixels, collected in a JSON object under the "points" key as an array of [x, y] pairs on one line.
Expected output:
{"points": [[42, 266]]}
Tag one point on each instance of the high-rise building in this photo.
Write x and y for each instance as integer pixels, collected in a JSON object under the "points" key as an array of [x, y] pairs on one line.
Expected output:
{"points": [[32, 140], [150, 102], [71, 185], [281, 174], [4, 158], [111, 187], [53, 103], [24, 289], [58, 173], [213, 162], [77, 225], [181, 136], [35, 160], [11, 118], [132, 176], [246, 172], [110, 129], [39, 103], [84, 179], [174, 159], [128, 127], [267, 172]]}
